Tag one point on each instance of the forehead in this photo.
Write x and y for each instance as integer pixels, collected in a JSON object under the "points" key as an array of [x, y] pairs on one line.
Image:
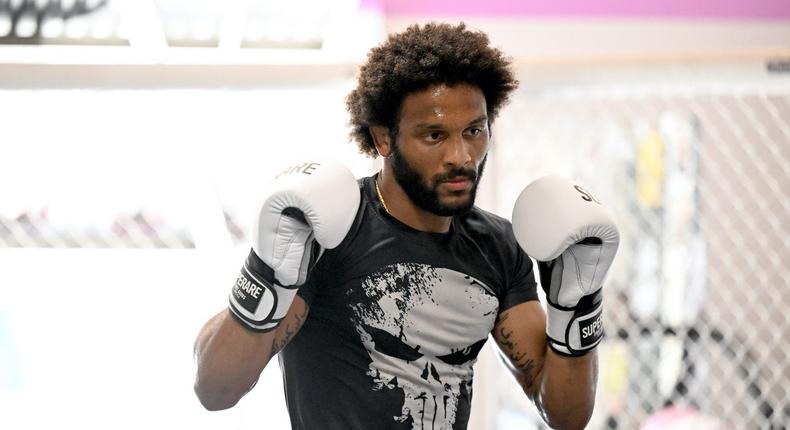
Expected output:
{"points": [[442, 102]]}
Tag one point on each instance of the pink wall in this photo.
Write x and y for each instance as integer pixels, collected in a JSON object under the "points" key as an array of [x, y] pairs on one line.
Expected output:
{"points": [[692, 9]]}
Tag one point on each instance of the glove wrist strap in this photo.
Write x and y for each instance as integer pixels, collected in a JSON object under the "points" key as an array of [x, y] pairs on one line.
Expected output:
{"points": [[574, 332], [256, 300]]}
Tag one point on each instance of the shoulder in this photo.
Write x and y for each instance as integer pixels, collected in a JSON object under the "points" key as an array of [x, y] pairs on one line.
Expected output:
{"points": [[492, 236], [362, 181], [492, 233], [481, 222]]}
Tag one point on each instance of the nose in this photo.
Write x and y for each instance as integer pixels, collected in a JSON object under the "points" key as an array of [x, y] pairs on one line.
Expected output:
{"points": [[458, 152]]}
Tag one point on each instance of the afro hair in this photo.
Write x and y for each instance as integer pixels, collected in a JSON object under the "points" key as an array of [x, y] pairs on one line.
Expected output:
{"points": [[418, 58]]}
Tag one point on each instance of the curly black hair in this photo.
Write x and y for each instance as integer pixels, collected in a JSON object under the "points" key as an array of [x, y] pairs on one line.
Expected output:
{"points": [[416, 59]]}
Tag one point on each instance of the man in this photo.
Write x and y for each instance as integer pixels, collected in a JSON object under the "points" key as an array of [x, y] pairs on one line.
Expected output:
{"points": [[379, 294]]}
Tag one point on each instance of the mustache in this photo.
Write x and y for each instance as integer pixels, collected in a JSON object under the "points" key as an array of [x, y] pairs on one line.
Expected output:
{"points": [[456, 174]]}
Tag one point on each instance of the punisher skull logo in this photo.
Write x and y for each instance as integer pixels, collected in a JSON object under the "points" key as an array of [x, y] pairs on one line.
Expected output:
{"points": [[423, 328]]}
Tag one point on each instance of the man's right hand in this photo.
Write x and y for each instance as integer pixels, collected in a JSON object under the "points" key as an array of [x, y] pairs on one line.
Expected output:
{"points": [[308, 208]]}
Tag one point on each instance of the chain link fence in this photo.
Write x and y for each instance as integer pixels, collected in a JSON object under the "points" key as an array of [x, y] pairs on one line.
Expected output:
{"points": [[698, 177]]}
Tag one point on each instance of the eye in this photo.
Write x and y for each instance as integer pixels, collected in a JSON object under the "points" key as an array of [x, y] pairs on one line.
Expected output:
{"points": [[391, 345], [475, 131], [433, 136], [463, 355]]}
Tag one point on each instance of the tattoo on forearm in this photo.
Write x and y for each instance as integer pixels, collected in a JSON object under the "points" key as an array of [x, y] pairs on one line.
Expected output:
{"points": [[288, 333], [528, 373], [525, 366]]}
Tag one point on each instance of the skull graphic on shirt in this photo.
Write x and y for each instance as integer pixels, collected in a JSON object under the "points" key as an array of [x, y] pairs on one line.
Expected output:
{"points": [[423, 328]]}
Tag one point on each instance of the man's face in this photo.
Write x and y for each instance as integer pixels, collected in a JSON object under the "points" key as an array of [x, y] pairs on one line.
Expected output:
{"points": [[441, 147]]}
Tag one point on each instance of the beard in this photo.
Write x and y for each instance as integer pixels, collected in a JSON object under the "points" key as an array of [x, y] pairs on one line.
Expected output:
{"points": [[425, 193]]}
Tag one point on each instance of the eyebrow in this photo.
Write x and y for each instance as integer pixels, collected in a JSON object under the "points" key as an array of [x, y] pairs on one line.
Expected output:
{"points": [[433, 126], [481, 118]]}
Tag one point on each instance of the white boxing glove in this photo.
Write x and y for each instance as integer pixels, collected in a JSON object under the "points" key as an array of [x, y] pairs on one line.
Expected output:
{"points": [[574, 239], [307, 204]]}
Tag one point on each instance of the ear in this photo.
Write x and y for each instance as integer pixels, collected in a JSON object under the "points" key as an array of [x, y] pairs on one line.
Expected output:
{"points": [[381, 139]]}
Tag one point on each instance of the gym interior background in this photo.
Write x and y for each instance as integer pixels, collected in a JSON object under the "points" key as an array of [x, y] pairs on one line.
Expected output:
{"points": [[135, 135]]}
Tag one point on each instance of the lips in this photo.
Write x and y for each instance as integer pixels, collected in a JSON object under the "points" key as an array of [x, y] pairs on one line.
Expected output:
{"points": [[458, 184]]}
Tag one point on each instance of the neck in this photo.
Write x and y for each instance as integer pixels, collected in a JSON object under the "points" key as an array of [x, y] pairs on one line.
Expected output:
{"points": [[402, 208]]}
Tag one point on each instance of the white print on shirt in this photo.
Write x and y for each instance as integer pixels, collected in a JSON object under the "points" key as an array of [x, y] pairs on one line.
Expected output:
{"points": [[423, 328]]}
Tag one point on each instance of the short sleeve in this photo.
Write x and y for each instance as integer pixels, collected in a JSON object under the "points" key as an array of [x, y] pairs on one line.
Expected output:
{"points": [[521, 286]]}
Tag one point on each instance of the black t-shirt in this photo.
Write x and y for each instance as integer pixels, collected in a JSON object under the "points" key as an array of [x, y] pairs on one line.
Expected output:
{"points": [[397, 319]]}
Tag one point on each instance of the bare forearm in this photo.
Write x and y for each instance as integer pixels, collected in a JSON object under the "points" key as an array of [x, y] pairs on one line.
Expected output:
{"points": [[229, 361], [566, 393], [562, 388]]}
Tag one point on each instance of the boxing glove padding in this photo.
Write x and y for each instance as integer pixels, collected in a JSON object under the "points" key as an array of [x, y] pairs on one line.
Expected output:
{"points": [[574, 239], [308, 208], [325, 195], [554, 213]]}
